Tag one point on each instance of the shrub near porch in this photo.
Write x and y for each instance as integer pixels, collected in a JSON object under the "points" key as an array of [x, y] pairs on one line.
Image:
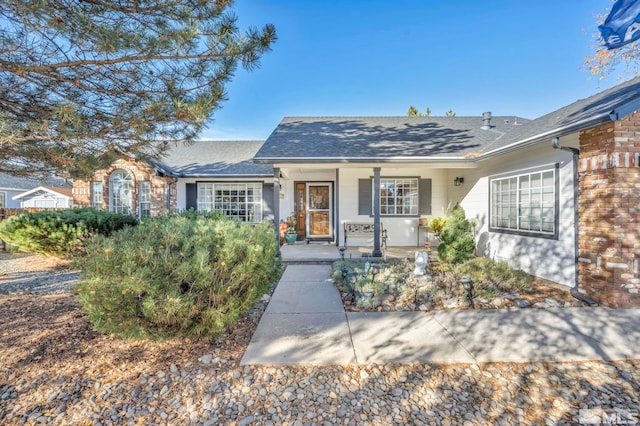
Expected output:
{"points": [[188, 275]]}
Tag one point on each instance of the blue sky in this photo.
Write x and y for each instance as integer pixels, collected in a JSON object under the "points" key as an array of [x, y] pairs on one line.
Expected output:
{"points": [[373, 57]]}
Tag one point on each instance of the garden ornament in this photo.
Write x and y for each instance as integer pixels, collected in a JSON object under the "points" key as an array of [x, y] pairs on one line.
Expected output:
{"points": [[421, 260]]}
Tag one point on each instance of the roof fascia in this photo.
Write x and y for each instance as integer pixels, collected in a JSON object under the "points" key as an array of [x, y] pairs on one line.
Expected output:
{"points": [[37, 189], [602, 118], [325, 160], [243, 176]]}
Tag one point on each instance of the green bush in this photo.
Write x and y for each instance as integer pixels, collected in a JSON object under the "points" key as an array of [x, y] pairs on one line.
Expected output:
{"points": [[59, 232], [186, 275], [456, 240]]}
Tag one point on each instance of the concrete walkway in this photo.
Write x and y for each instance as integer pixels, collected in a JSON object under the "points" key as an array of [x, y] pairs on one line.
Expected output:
{"points": [[305, 324]]}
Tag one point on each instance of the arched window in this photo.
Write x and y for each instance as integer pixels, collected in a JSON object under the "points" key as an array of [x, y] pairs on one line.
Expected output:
{"points": [[120, 192]]}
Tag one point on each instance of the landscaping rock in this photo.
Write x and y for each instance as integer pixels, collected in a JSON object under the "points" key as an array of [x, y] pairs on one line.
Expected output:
{"points": [[552, 303], [451, 303], [497, 302], [521, 303]]}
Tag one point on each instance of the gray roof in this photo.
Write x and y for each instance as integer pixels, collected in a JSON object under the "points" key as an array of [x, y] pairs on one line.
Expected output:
{"points": [[379, 139], [207, 158], [611, 104], [8, 181]]}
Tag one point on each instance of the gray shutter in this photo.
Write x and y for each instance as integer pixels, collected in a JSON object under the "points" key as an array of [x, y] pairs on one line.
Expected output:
{"points": [[267, 201], [424, 196], [192, 196], [364, 196]]}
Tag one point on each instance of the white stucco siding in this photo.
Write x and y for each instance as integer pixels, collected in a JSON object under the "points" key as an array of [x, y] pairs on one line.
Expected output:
{"points": [[401, 231], [552, 259]]}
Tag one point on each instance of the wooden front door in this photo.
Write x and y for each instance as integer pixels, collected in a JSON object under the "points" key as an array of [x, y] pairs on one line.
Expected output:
{"points": [[301, 210]]}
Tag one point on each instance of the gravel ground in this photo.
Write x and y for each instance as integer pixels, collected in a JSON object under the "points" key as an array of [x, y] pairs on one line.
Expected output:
{"points": [[87, 378], [29, 273], [212, 391]]}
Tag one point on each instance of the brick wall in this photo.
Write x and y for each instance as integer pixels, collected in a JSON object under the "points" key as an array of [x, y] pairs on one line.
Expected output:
{"points": [[609, 203], [140, 172]]}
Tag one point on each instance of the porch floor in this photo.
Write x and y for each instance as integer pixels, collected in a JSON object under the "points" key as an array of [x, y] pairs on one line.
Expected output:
{"points": [[301, 252]]}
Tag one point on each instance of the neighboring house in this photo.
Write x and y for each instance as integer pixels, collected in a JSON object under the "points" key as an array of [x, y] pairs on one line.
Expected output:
{"points": [[512, 176], [46, 197], [12, 186], [203, 175]]}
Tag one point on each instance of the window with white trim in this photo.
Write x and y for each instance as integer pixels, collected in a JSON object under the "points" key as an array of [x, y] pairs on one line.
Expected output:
{"points": [[144, 198], [239, 201], [3, 199], [120, 192], [398, 196], [96, 195], [525, 203]]}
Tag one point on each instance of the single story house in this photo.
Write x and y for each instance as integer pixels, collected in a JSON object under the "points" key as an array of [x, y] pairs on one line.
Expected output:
{"points": [[557, 196], [45, 197], [13, 186]]}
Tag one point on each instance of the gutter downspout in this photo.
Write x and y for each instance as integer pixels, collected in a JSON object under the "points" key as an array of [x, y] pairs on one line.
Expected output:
{"points": [[575, 291]]}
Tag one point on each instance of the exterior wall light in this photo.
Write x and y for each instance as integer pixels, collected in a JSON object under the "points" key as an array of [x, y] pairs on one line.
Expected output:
{"points": [[458, 181]]}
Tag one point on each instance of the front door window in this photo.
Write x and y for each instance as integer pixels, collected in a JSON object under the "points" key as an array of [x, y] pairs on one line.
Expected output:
{"points": [[319, 204]]}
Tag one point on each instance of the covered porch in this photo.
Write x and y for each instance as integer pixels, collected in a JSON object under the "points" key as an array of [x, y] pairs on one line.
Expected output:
{"points": [[328, 252]]}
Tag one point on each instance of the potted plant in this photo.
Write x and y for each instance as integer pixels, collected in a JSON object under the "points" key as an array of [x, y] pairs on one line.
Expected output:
{"points": [[291, 235], [291, 220], [437, 225]]}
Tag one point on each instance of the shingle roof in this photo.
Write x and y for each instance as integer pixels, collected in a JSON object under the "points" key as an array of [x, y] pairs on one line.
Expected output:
{"points": [[206, 158], [583, 114], [380, 138], [371, 139], [8, 181]]}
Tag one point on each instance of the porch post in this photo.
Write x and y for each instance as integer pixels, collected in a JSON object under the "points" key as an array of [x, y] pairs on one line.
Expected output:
{"points": [[376, 213], [336, 214], [276, 203]]}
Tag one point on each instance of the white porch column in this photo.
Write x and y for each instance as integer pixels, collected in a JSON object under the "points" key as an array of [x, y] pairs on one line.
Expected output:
{"points": [[276, 204]]}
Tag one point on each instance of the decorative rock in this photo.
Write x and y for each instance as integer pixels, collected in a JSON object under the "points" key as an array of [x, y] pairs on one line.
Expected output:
{"points": [[497, 302], [521, 303], [451, 303], [246, 421], [386, 298], [552, 303], [206, 359]]}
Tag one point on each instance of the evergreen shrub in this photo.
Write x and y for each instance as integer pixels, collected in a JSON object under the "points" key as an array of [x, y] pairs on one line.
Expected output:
{"points": [[182, 275], [60, 232], [456, 239]]}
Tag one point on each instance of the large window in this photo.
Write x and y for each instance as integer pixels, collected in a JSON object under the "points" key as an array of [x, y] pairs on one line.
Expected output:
{"points": [[120, 192], [399, 196], [144, 198], [239, 201], [96, 195], [525, 203]]}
